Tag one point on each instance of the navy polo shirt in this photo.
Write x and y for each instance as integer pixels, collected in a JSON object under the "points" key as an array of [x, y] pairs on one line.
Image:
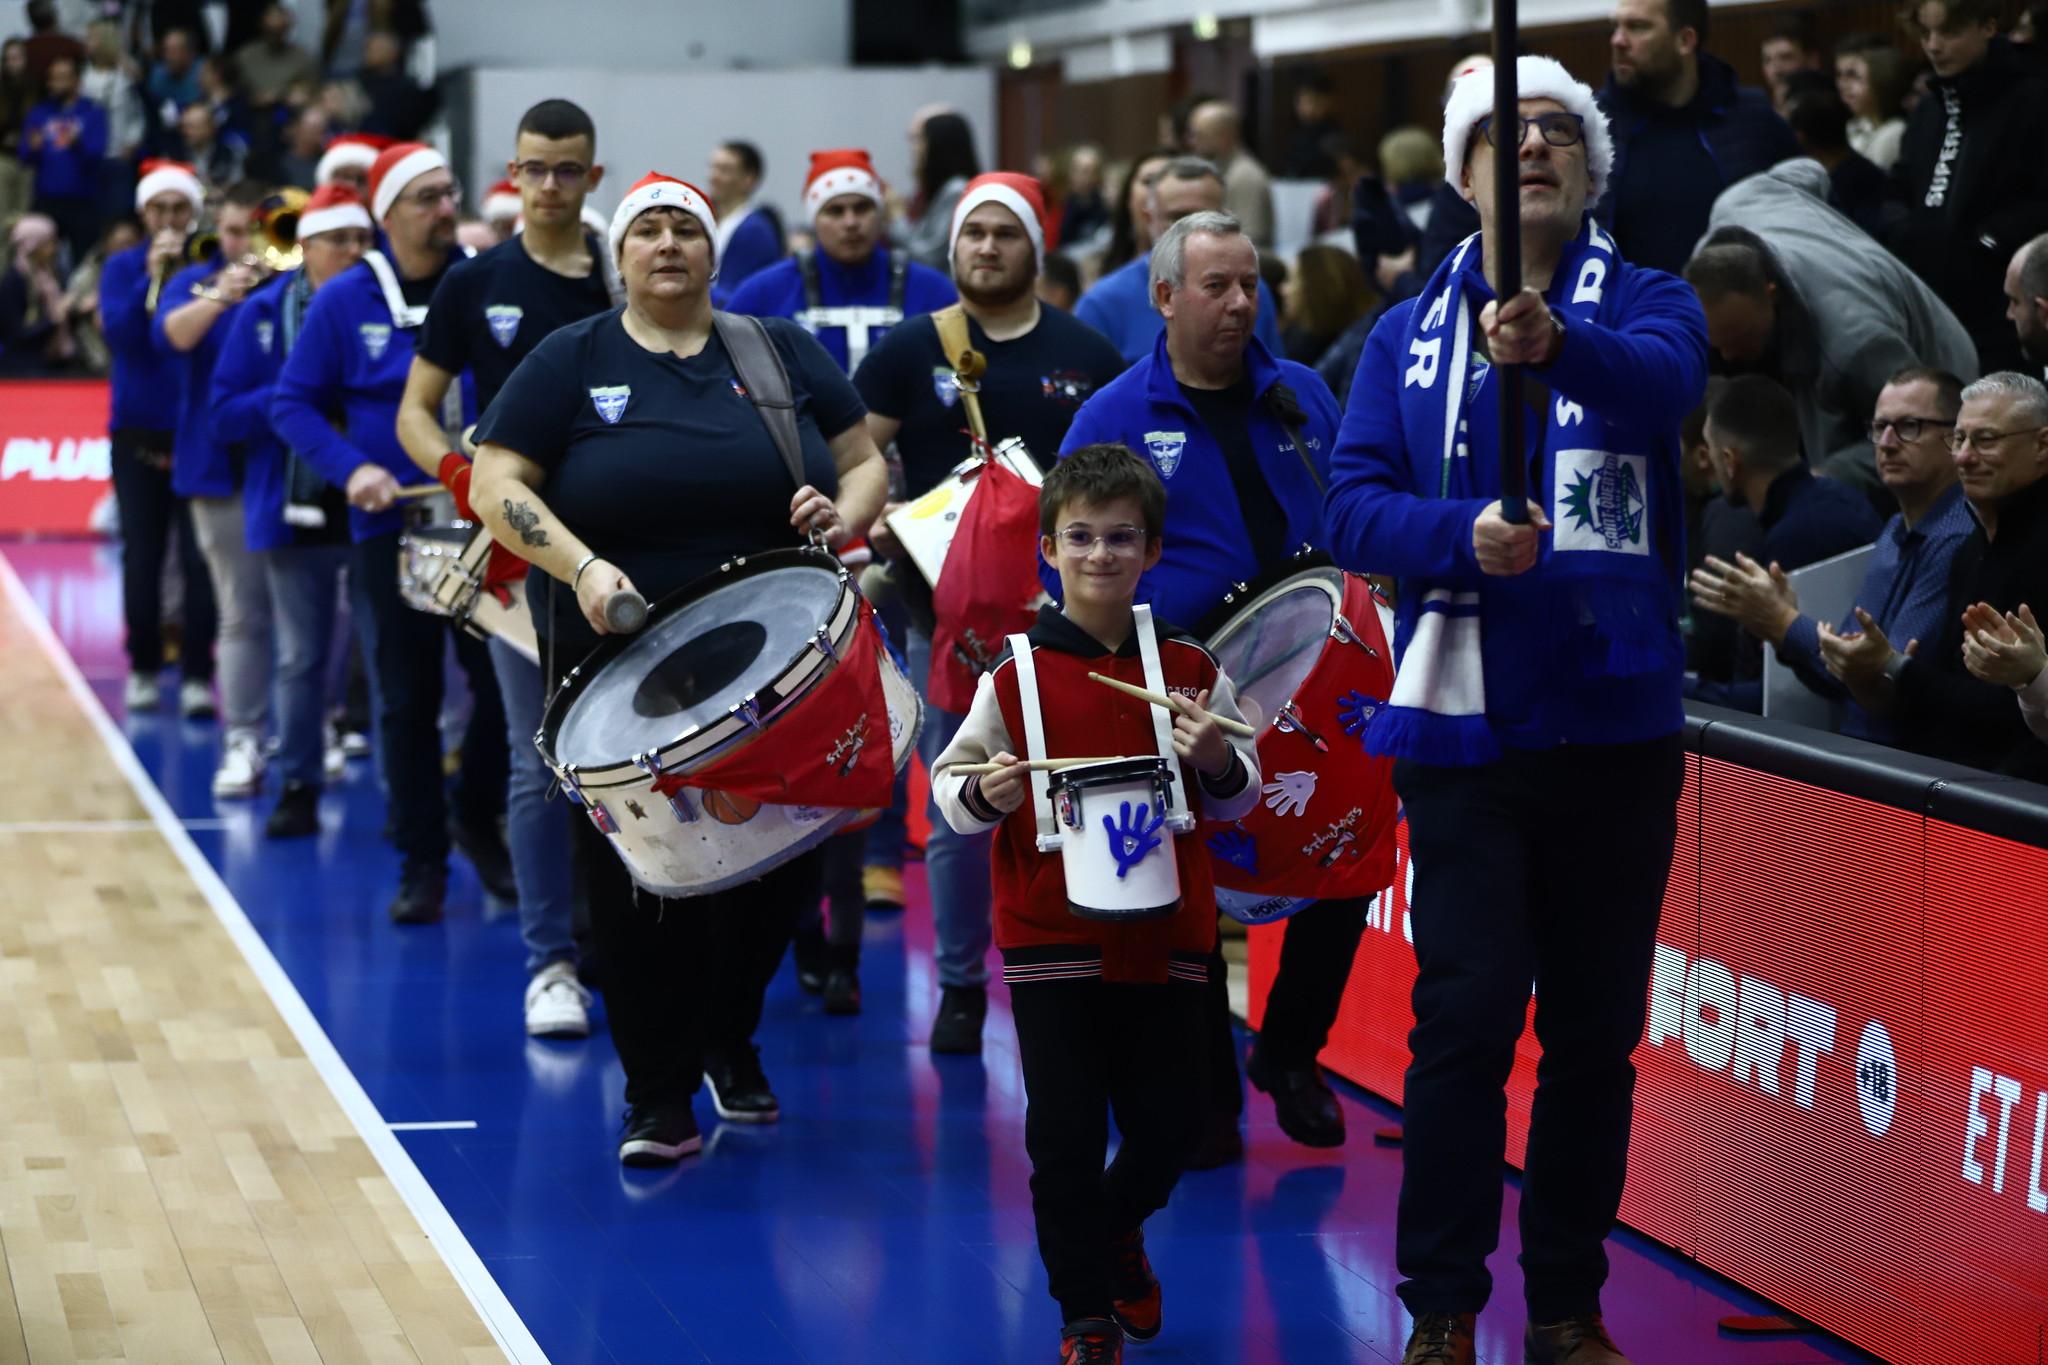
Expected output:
{"points": [[659, 464], [491, 310]]}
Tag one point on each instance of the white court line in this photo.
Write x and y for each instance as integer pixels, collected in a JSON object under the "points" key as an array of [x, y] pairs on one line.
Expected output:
{"points": [[98, 826], [433, 1126], [460, 1257]]}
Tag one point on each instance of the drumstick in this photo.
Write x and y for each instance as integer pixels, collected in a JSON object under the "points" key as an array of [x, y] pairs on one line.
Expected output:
{"points": [[418, 490], [625, 611], [1036, 765], [1224, 723]]}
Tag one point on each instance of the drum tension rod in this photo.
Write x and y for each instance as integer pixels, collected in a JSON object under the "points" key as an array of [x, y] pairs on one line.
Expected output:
{"points": [[823, 641], [1288, 721], [572, 789], [678, 804], [748, 709], [1340, 629]]}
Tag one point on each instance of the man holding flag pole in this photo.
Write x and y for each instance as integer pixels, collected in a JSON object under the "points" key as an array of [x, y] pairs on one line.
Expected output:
{"points": [[1536, 714]]}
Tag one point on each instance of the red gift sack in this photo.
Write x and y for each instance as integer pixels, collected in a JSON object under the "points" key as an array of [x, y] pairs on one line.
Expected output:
{"points": [[989, 588]]}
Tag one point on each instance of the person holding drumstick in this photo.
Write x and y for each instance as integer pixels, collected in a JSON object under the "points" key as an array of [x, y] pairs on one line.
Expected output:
{"points": [[625, 454]]}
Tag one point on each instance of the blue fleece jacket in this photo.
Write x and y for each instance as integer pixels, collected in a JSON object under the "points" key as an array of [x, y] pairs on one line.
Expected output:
{"points": [[71, 171], [778, 292], [1641, 378], [1207, 548], [146, 381], [352, 358], [200, 466], [1120, 307], [244, 377]]}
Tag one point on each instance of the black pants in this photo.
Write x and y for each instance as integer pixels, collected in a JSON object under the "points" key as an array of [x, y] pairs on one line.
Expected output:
{"points": [[1091, 1048], [1545, 867], [839, 914], [685, 978], [148, 510], [404, 650], [1315, 963]]}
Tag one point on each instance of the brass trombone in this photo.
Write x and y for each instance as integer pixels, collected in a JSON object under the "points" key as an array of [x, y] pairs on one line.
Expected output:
{"points": [[274, 239]]}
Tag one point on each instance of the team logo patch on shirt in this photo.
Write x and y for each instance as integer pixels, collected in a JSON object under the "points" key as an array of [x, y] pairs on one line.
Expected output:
{"points": [[504, 320], [1070, 387], [611, 401], [265, 333], [1600, 499], [946, 385], [1165, 449], [739, 389], [376, 338]]}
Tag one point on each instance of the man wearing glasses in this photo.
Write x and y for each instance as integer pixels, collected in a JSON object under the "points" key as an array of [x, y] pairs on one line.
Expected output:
{"points": [[488, 314], [351, 357], [1905, 588], [2000, 449]]}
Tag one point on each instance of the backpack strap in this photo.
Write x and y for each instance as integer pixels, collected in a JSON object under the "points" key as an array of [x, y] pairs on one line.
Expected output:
{"points": [[759, 367], [899, 279], [807, 270]]}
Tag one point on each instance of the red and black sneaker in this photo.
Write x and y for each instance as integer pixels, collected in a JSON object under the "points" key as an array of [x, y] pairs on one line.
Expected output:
{"points": [[1136, 1303], [1091, 1341]]}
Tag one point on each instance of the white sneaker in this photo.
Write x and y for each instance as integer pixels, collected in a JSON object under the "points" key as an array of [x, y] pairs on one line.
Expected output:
{"points": [[142, 693], [334, 763], [241, 767], [195, 699], [557, 1006]]}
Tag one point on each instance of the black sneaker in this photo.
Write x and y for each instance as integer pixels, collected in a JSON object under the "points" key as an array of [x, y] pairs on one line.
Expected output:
{"points": [[842, 991], [1219, 1143], [658, 1135], [813, 962], [420, 897], [486, 852], [739, 1088], [1302, 1100], [1136, 1306], [957, 1029], [297, 813]]}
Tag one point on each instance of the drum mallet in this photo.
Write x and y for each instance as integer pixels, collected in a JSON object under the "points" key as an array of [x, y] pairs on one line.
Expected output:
{"points": [[1223, 723], [1034, 765], [625, 611]]}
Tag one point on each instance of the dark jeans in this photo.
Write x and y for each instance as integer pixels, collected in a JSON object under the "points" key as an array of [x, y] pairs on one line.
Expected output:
{"points": [[404, 649], [148, 509], [1546, 867], [1315, 963], [1089, 1049], [683, 978]]}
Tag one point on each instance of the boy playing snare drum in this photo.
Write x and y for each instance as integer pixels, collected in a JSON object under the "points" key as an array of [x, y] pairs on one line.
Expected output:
{"points": [[1107, 1010]]}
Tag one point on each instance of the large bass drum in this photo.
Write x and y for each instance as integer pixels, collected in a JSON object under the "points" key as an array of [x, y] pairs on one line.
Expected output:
{"points": [[721, 664], [1306, 647]]}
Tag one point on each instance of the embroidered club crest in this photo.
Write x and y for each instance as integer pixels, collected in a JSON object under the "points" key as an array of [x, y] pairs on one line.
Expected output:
{"points": [[376, 338], [504, 320], [611, 401], [266, 332], [1165, 449], [1600, 499], [946, 385]]}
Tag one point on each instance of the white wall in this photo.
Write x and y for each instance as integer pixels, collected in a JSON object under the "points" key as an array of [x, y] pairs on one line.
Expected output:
{"points": [[642, 35], [672, 123]]}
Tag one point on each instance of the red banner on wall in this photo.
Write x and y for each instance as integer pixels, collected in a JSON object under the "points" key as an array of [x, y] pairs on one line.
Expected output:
{"points": [[55, 459], [1842, 1095]]}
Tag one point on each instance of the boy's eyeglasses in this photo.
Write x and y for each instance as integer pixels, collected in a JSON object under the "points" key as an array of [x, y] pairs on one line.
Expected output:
{"points": [[1121, 540]]}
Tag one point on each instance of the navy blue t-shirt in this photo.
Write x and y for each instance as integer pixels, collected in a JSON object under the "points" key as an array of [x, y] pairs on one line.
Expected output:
{"points": [[662, 465], [494, 308]]}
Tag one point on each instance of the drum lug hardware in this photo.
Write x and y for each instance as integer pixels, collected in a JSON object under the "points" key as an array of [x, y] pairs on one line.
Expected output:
{"points": [[1287, 720], [749, 711], [1341, 629], [678, 804], [823, 640]]}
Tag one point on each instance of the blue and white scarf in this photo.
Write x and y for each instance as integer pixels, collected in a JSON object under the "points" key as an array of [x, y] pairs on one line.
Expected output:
{"points": [[1603, 499]]}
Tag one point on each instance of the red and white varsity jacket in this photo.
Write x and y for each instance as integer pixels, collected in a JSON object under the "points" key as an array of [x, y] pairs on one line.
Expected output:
{"points": [[1040, 937]]}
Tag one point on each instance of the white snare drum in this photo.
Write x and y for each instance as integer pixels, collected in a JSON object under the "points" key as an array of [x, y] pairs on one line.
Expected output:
{"points": [[719, 663], [459, 592], [1116, 838], [433, 538], [925, 526]]}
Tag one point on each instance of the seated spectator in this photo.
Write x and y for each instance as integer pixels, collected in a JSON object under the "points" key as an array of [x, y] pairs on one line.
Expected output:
{"points": [[1856, 186], [35, 332], [297, 160], [2000, 445], [399, 106], [47, 41], [82, 295], [1787, 294], [18, 95], [1327, 294], [1788, 48], [218, 158], [1905, 588], [2009, 650], [1870, 76], [62, 142], [2026, 301], [1716, 650], [1084, 213], [272, 64], [110, 79], [1971, 169], [1333, 202], [1059, 283], [1315, 122], [174, 80], [219, 93]]}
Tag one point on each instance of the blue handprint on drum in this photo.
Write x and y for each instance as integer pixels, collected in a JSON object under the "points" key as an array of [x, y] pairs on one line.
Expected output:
{"points": [[1133, 839], [1237, 848], [1355, 711]]}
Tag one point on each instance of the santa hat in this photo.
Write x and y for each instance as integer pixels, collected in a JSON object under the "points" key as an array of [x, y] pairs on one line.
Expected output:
{"points": [[502, 201], [1017, 193], [846, 171], [1536, 78], [396, 167], [657, 191], [168, 177], [350, 149], [332, 208]]}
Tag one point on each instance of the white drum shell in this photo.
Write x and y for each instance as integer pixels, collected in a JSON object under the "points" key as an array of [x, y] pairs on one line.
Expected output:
{"points": [[1151, 887]]}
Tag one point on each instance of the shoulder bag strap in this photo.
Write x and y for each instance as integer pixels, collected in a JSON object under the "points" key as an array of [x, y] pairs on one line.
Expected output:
{"points": [[967, 364], [1286, 410], [899, 279], [759, 367], [807, 269]]}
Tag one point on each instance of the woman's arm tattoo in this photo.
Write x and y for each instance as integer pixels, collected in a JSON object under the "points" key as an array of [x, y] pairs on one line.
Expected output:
{"points": [[526, 522]]}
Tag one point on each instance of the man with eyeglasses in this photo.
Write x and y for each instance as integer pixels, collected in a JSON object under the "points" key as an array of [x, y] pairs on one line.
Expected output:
{"points": [[1241, 440], [353, 353], [2026, 301], [2000, 449], [1905, 587], [488, 314], [1536, 719]]}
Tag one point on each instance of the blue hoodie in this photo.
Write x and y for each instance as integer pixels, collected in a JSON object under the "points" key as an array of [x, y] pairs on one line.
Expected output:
{"points": [[65, 172], [146, 381], [1207, 548], [244, 377], [352, 357], [1120, 307], [778, 292], [200, 466]]}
